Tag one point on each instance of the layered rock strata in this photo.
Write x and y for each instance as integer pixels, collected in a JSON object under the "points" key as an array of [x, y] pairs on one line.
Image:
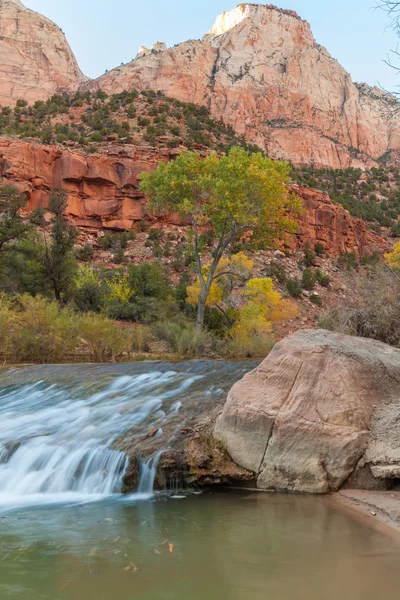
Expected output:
{"points": [[103, 192]]}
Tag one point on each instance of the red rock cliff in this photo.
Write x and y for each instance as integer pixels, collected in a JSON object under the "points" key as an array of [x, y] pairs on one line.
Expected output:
{"points": [[103, 192]]}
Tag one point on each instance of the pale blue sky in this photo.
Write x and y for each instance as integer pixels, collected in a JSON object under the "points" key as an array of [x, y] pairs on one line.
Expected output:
{"points": [[104, 33]]}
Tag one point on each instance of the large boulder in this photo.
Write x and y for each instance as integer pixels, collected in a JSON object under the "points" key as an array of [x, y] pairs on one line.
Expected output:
{"points": [[322, 411]]}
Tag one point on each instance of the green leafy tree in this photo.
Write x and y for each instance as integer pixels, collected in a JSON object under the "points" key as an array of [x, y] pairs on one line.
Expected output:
{"points": [[59, 261], [236, 195], [12, 226]]}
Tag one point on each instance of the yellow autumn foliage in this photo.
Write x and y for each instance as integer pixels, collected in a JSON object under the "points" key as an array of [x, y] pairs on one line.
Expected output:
{"points": [[238, 266], [393, 258], [193, 292], [264, 307], [119, 289]]}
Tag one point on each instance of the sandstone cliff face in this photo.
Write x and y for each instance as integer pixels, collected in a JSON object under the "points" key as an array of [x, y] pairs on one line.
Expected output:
{"points": [[102, 188], [320, 411], [35, 58], [103, 192], [331, 225], [261, 70]]}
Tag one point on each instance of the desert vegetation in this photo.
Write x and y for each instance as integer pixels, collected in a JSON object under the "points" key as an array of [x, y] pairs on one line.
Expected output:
{"points": [[373, 195], [87, 120], [58, 305]]}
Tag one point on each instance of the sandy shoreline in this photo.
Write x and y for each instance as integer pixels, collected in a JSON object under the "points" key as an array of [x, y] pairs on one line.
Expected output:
{"points": [[375, 509]]}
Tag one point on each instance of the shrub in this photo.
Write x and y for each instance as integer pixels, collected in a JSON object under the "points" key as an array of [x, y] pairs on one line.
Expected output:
{"points": [[142, 226], [141, 338], [319, 249], [308, 280], [107, 241], [42, 332], [148, 280], [7, 326], [376, 315], [37, 216], [322, 278], [277, 271], [251, 347], [184, 339], [370, 259], [309, 256], [122, 311], [84, 253], [119, 256], [89, 297], [294, 287], [315, 299], [348, 261], [104, 339], [155, 235]]}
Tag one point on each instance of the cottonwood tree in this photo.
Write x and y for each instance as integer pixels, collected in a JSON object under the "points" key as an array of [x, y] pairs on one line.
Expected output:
{"points": [[236, 195]]}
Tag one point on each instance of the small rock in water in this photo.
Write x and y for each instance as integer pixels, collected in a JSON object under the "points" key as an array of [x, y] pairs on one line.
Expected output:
{"points": [[178, 497]]}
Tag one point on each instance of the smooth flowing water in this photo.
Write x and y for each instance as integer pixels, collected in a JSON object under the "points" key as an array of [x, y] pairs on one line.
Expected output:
{"points": [[66, 533], [58, 424]]}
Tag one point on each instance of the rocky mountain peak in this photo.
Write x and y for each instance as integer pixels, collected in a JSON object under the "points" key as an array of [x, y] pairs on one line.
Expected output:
{"points": [[261, 71], [35, 57], [232, 18]]}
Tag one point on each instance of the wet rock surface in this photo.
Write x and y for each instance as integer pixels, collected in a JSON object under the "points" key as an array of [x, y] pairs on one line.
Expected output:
{"points": [[191, 457]]}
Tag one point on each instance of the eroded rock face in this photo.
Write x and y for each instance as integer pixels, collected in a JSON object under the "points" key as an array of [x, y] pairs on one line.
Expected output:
{"points": [[102, 188], [261, 70], [321, 409], [35, 58], [103, 192], [332, 226]]}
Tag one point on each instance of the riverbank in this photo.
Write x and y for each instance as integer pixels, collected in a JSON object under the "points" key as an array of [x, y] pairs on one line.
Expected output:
{"points": [[375, 509]]}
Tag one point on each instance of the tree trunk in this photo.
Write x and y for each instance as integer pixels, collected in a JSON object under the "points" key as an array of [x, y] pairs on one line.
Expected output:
{"points": [[201, 311]]}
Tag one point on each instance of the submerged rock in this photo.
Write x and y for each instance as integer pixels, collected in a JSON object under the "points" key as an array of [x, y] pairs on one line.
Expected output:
{"points": [[321, 411]]}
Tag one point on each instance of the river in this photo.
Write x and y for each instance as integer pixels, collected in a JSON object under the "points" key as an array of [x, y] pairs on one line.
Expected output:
{"points": [[66, 531]]}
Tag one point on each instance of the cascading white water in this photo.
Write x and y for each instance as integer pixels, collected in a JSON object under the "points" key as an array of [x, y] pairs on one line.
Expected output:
{"points": [[55, 442], [147, 474]]}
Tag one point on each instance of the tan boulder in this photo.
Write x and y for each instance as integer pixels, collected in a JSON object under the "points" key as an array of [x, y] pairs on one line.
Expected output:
{"points": [[321, 409]]}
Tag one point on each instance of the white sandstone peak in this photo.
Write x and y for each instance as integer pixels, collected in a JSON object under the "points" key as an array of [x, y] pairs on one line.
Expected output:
{"points": [[157, 47], [143, 51], [230, 19]]}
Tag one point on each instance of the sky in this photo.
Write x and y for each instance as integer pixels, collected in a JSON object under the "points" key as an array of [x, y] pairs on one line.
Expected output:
{"points": [[104, 33]]}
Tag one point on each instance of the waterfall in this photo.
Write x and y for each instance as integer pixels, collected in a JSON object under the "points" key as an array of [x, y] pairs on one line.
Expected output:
{"points": [[55, 442], [147, 474]]}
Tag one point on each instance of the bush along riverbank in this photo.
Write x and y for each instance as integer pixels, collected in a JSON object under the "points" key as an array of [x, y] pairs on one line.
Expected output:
{"points": [[56, 304]]}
